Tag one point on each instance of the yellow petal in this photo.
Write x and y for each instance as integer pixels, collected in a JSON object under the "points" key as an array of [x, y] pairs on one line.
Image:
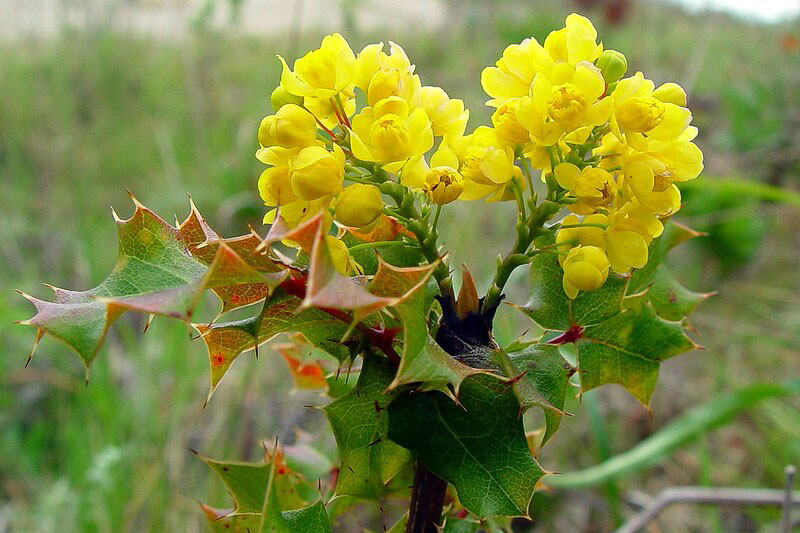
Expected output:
{"points": [[567, 175], [626, 250]]}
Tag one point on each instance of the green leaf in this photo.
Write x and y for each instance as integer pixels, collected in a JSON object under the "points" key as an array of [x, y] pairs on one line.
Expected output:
{"points": [[543, 380], [385, 229], [282, 313], [550, 307], [676, 433], [673, 235], [247, 483], [223, 521], [359, 421], [422, 360], [311, 519], [628, 349], [479, 446], [670, 299], [161, 270]]}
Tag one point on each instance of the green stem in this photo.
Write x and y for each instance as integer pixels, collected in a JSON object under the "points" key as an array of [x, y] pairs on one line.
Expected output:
{"points": [[426, 236], [584, 225], [376, 244], [527, 231]]}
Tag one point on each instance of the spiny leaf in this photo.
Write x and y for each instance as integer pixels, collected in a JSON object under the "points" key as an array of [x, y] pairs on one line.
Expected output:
{"points": [[385, 229], [328, 288], [673, 235], [478, 446], [542, 379], [223, 521], [281, 314], [422, 361], [628, 349], [359, 422], [156, 273], [550, 307], [670, 299], [311, 519], [247, 483]]}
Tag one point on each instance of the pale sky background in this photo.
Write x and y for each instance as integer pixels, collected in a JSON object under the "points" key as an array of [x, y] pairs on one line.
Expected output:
{"points": [[769, 10]]}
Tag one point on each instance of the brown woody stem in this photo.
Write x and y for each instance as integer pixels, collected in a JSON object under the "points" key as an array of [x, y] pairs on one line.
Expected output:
{"points": [[427, 501]]}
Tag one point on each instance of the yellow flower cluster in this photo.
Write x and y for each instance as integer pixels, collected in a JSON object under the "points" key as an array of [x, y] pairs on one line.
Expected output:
{"points": [[615, 146], [609, 148]]}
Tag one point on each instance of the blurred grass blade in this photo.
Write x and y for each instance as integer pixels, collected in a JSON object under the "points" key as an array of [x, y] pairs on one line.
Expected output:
{"points": [[697, 421], [749, 188]]}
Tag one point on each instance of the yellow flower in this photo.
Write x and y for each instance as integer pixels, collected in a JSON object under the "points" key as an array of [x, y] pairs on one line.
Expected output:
{"points": [[514, 72], [487, 164], [443, 182], [629, 232], [568, 238], [325, 110], [566, 100], [671, 93], [585, 269], [275, 186], [447, 115], [291, 127], [506, 124], [316, 172], [321, 73], [380, 75], [575, 43], [388, 134], [638, 109], [358, 205], [592, 186], [297, 212]]}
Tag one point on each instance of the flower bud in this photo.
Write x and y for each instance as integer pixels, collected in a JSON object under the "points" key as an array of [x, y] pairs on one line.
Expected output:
{"points": [[291, 127], [612, 64], [316, 172], [640, 113], [444, 184], [585, 269], [280, 97], [671, 93], [359, 205]]}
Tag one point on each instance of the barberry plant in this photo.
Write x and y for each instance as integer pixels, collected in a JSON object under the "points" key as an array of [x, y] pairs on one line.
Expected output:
{"points": [[361, 158]]}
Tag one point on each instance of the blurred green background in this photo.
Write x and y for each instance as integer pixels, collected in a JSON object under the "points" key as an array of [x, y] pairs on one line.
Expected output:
{"points": [[164, 97]]}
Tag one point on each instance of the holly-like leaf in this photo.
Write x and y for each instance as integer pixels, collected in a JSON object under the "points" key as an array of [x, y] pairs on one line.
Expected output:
{"points": [[422, 360], [311, 519], [541, 380], [247, 483], [673, 235], [385, 229], [223, 521], [550, 307], [670, 299], [478, 446], [360, 423], [282, 313], [628, 349], [159, 270]]}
